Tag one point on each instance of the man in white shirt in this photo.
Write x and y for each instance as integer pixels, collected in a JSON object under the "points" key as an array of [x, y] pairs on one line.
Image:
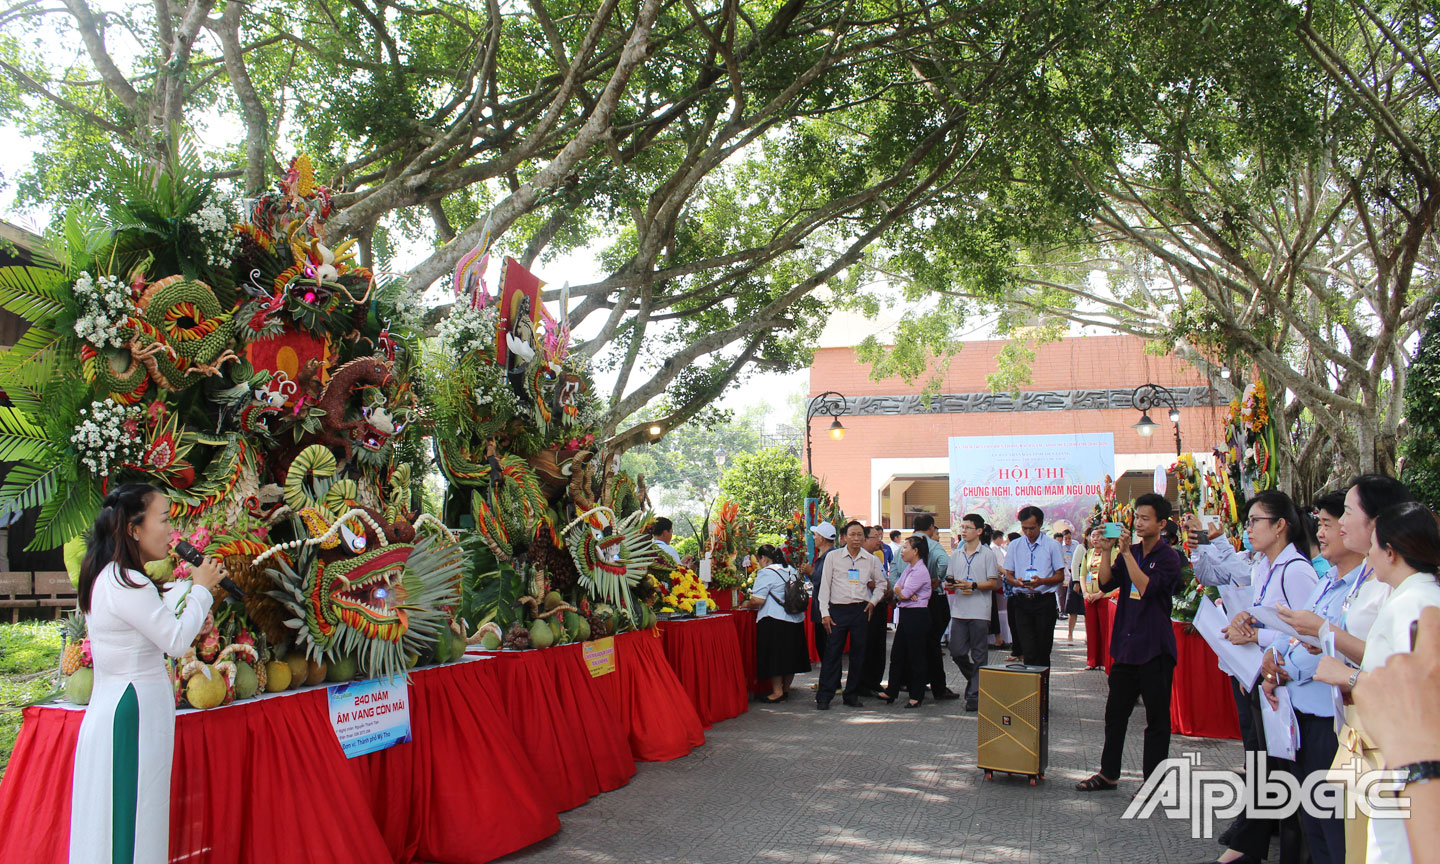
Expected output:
{"points": [[1034, 567], [973, 576], [894, 545], [663, 530], [852, 584]]}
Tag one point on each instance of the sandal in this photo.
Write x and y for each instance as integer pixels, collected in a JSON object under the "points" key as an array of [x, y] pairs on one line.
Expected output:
{"points": [[771, 700], [885, 697], [1096, 783]]}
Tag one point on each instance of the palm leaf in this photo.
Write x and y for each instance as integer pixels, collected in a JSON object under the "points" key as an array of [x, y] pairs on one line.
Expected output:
{"points": [[21, 440], [30, 484], [38, 357], [34, 293], [66, 516]]}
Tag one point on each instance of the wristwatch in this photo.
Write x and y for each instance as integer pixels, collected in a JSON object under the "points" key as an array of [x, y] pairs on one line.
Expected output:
{"points": [[1420, 772], [1354, 676]]}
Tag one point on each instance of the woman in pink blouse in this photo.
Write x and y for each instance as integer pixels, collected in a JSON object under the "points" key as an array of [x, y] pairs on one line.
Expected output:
{"points": [[907, 652]]}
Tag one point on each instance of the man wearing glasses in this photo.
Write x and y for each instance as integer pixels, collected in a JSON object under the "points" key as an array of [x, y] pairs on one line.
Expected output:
{"points": [[1034, 568]]}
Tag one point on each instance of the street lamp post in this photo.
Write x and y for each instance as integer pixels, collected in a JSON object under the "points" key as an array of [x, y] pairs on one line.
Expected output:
{"points": [[834, 405], [1148, 396]]}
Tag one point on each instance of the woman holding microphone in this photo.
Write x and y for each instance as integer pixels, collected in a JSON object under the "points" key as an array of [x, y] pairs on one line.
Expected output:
{"points": [[120, 805]]}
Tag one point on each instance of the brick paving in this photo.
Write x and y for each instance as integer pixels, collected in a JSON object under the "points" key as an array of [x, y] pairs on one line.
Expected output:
{"points": [[883, 785]]}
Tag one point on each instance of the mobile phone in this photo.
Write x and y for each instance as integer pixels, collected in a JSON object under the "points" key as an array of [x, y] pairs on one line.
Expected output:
{"points": [[1414, 629]]}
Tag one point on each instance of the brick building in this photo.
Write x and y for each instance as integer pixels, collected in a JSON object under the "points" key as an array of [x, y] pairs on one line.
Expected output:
{"points": [[892, 462]]}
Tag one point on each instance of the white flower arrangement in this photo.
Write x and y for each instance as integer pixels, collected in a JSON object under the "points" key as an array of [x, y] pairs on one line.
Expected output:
{"points": [[466, 330], [217, 232], [104, 306], [102, 438]]}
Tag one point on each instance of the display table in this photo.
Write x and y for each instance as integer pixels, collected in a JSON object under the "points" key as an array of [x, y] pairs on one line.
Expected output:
{"points": [[264, 780], [1201, 703], [1099, 620], [705, 654], [564, 723], [744, 620], [646, 705]]}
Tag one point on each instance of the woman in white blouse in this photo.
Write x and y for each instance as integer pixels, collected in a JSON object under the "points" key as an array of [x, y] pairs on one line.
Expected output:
{"points": [[120, 802], [1405, 554], [780, 648]]}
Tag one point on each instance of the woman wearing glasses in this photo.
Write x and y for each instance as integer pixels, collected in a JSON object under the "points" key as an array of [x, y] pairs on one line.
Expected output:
{"points": [[1280, 574]]}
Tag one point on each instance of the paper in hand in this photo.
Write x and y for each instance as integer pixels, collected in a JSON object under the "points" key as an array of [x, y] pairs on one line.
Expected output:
{"points": [[1270, 619]]}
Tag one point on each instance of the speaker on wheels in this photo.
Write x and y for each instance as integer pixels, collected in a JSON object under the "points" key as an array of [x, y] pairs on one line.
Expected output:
{"points": [[1014, 728]]}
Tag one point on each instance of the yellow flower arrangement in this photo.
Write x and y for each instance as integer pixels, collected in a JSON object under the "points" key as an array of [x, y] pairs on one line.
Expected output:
{"points": [[1254, 410], [685, 590]]}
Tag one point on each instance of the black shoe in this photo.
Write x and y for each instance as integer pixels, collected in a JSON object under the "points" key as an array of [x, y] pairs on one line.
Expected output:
{"points": [[945, 695], [972, 707], [853, 702], [822, 706], [868, 693], [914, 704]]}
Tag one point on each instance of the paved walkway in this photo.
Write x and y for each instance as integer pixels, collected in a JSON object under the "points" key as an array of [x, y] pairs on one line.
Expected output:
{"points": [[883, 785]]}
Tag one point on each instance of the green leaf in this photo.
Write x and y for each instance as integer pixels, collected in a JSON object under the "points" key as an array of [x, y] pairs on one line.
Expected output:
{"points": [[22, 440], [39, 356], [30, 484], [34, 293], [66, 516]]}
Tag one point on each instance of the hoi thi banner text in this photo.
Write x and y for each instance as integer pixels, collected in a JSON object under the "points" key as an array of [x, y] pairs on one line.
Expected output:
{"points": [[997, 475]]}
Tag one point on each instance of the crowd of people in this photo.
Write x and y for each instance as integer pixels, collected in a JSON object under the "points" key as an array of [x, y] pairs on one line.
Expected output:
{"points": [[1354, 572]]}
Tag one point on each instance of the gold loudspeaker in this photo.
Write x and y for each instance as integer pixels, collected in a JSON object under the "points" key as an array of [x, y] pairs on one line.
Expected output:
{"points": [[1014, 728]]}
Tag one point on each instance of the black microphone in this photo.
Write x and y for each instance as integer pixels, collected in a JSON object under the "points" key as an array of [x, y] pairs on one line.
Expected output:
{"points": [[192, 556]]}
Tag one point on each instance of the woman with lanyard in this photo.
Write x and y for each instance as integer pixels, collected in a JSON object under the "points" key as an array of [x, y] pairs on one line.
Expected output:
{"points": [[1281, 573], [1405, 554], [907, 651], [120, 803], [1291, 665]]}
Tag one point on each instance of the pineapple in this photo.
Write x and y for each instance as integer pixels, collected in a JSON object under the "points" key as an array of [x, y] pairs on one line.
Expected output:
{"points": [[72, 633]]}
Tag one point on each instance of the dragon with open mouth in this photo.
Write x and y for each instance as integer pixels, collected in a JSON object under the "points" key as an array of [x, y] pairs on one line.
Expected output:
{"points": [[379, 607]]}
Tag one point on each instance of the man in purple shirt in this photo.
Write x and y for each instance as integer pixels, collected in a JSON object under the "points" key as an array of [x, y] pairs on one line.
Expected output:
{"points": [[1143, 643]]}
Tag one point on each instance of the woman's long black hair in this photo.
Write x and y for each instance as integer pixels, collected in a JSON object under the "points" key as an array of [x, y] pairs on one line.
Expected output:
{"points": [[1412, 530], [1280, 506], [110, 541]]}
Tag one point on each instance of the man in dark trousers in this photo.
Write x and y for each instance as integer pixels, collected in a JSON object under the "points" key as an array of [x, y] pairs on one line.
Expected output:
{"points": [[875, 646], [1143, 645], [1034, 567], [846, 603], [938, 563]]}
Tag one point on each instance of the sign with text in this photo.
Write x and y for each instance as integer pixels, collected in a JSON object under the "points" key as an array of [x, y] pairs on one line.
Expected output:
{"points": [[370, 715], [600, 656], [997, 475]]}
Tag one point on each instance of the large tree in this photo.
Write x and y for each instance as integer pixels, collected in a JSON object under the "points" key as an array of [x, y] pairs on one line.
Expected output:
{"points": [[1250, 184], [735, 156]]}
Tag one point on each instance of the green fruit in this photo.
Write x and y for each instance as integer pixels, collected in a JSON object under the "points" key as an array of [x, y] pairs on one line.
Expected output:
{"points": [[341, 669], [314, 672], [411, 659], [74, 553], [558, 630], [203, 692], [457, 646], [541, 636], [490, 642], [79, 685], [553, 599], [443, 638], [246, 681], [646, 618], [572, 626]]}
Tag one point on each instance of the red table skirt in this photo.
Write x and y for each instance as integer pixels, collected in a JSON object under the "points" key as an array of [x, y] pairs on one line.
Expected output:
{"points": [[1201, 704], [649, 700], [564, 723], [705, 654], [275, 762], [744, 620]]}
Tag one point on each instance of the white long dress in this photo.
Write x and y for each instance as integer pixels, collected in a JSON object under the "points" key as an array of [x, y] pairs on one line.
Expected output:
{"points": [[1386, 842], [120, 804]]}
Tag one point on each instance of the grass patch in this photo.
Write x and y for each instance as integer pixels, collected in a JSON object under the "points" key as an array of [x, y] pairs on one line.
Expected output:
{"points": [[29, 657]]}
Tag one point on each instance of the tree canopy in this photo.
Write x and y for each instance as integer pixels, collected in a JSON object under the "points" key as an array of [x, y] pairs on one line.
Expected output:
{"points": [[1247, 183]]}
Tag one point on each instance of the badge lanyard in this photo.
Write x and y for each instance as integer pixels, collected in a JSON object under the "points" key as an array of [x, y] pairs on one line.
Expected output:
{"points": [[1365, 572]]}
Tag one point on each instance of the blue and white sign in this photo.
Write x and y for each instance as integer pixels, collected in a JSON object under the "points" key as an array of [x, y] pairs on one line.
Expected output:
{"points": [[370, 715]]}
